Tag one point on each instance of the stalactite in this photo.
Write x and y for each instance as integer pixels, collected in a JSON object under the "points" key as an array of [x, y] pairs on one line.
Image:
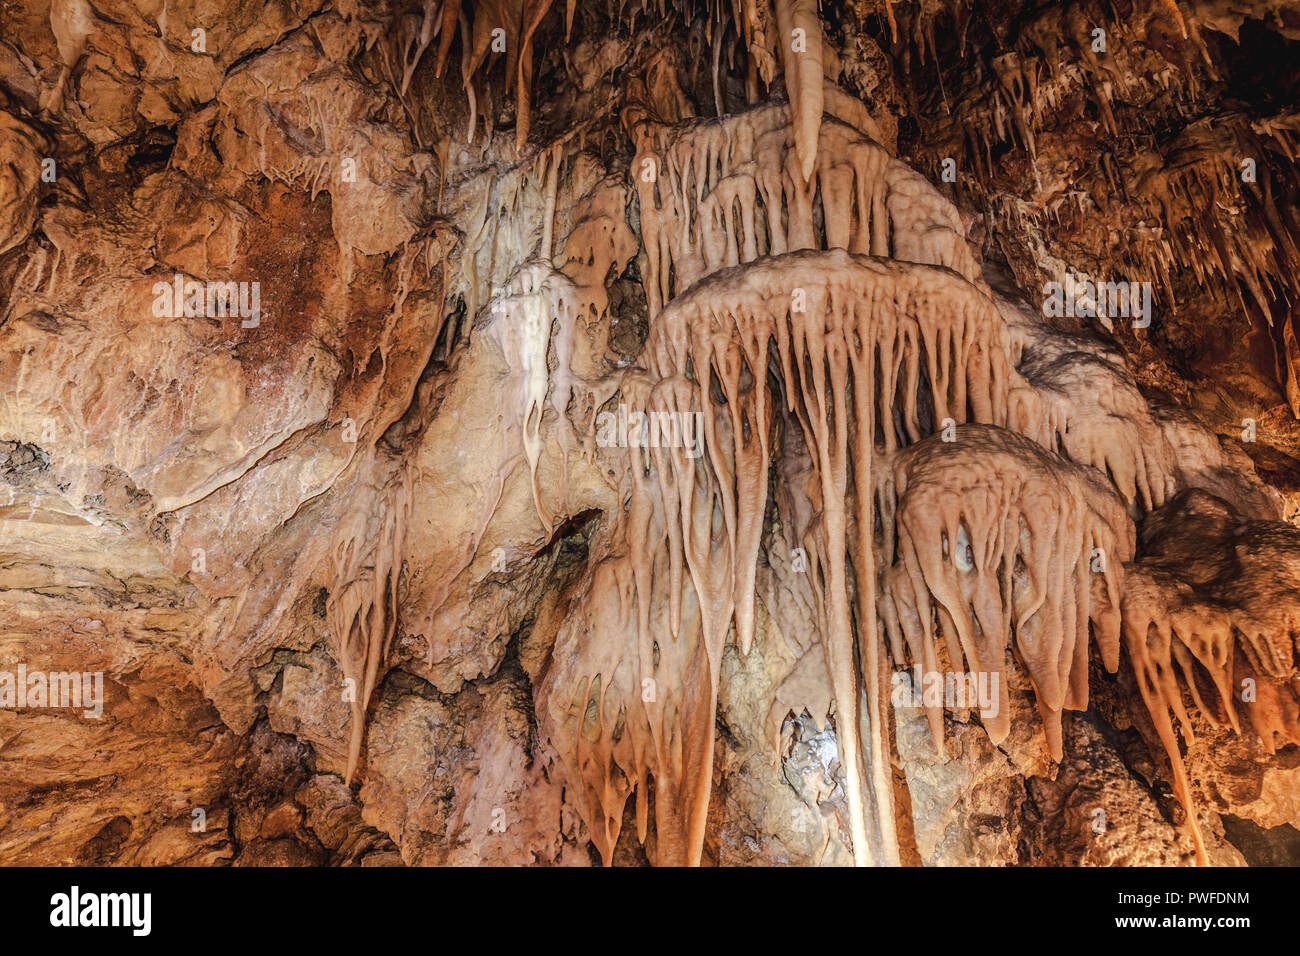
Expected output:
{"points": [[511, 25], [799, 30], [1172, 7], [1213, 605], [997, 539], [924, 322], [952, 469], [437, 19], [633, 690], [486, 27], [847, 442], [1090, 409], [827, 320], [365, 569], [723, 193], [988, 534]]}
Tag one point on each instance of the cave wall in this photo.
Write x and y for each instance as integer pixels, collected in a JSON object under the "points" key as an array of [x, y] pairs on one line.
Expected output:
{"points": [[341, 561]]}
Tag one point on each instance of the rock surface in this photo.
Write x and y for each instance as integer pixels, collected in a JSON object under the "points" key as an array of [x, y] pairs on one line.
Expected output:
{"points": [[327, 546]]}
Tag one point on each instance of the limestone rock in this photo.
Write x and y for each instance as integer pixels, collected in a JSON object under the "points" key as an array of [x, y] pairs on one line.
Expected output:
{"points": [[415, 452]]}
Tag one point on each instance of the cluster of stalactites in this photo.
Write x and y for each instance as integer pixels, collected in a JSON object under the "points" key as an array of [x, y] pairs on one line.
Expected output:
{"points": [[976, 535], [788, 31], [1051, 53], [855, 343], [1090, 409], [488, 28], [770, 319], [1213, 200], [997, 539], [1239, 239], [1110, 428], [1210, 615], [772, 32], [720, 193], [632, 689], [979, 534], [849, 342], [854, 339], [1083, 402]]}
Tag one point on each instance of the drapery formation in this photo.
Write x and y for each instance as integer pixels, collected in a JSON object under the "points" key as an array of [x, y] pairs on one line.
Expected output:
{"points": [[964, 490], [827, 321], [725, 192], [1211, 613], [523, 317], [365, 570], [997, 540]]}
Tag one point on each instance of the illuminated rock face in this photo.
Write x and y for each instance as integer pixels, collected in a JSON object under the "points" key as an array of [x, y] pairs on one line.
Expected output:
{"points": [[596, 458]]}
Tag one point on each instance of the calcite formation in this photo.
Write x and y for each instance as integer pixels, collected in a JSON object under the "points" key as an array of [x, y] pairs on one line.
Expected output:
{"points": [[652, 443], [1209, 615]]}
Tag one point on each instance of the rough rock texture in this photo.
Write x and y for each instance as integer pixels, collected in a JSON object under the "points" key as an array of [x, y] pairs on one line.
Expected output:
{"points": [[327, 333]]}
